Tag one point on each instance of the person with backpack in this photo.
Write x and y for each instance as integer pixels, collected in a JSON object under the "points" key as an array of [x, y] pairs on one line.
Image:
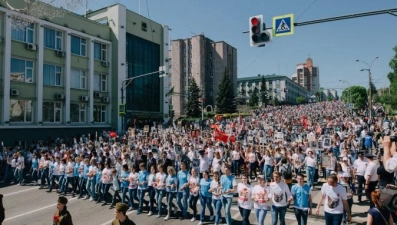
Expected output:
{"points": [[286, 172]]}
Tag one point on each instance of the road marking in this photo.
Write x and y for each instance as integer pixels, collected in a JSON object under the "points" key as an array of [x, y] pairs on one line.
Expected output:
{"points": [[36, 210], [128, 213], [17, 192]]}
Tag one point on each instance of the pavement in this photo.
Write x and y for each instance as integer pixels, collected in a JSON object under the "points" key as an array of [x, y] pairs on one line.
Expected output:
{"points": [[31, 206]]}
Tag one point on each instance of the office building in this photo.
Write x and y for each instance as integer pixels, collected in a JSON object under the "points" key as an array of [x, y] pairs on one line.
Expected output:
{"points": [[281, 87], [204, 60], [307, 76]]}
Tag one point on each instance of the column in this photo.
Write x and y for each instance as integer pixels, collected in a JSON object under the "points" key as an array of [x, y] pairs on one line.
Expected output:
{"points": [[7, 68], [39, 81], [109, 83], [67, 75], [90, 80]]}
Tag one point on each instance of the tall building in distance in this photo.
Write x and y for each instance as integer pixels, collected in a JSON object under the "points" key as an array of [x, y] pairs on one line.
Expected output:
{"points": [[307, 76], [204, 60]]}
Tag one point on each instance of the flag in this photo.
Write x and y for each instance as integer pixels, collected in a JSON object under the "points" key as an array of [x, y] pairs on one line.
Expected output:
{"points": [[220, 136]]}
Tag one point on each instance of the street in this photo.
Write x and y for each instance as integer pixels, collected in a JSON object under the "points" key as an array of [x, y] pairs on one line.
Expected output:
{"points": [[30, 206]]}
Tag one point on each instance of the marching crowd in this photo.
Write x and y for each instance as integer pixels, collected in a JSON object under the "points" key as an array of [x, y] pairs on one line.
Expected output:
{"points": [[274, 151]]}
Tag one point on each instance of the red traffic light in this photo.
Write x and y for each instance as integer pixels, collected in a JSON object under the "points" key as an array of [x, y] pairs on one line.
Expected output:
{"points": [[255, 21]]}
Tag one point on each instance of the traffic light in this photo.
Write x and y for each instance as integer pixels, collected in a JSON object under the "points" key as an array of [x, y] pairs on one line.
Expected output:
{"points": [[258, 34], [172, 113]]}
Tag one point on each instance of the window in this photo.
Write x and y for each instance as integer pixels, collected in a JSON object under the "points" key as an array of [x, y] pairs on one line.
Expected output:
{"points": [[52, 39], [100, 82], [77, 113], [52, 75], [99, 51], [21, 70], [78, 79], [24, 34], [277, 81], [52, 112], [21, 110], [100, 113], [78, 46]]}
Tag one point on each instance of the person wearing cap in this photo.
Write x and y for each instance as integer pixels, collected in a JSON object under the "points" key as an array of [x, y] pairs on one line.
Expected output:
{"points": [[359, 168], [302, 196], [120, 215], [350, 189], [260, 198], [371, 178], [62, 215]]}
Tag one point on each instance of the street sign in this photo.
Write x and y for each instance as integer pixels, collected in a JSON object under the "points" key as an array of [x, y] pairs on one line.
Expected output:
{"points": [[283, 25]]}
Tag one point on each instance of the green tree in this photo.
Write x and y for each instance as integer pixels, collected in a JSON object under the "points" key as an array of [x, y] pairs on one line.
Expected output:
{"points": [[193, 105], [254, 98], [300, 100], [225, 99], [392, 76], [264, 95], [374, 91], [357, 95], [329, 98]]}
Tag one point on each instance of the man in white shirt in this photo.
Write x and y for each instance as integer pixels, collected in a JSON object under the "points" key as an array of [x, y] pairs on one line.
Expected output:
{"points": [[371, 178], [360, 166], [20, 166], [281, 197]]}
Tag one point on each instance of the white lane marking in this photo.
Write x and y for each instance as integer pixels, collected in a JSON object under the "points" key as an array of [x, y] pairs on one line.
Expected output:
{"points": [[36, 210], [17, 192], [128, 213]]}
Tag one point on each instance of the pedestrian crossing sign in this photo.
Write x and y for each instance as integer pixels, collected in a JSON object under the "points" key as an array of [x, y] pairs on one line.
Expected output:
{"points": [[283, 25]]}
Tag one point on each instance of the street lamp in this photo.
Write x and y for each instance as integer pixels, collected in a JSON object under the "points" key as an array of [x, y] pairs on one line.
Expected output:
{"points": [[125, 83], [346, 82], [369, 83]]}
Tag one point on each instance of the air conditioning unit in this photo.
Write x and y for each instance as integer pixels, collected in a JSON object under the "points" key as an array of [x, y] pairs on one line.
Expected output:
{"points": [[84, 98], [60, 96], [31, 47], [105, 64], [105, 99], [97, 95], [14, 92], [60, 53]]}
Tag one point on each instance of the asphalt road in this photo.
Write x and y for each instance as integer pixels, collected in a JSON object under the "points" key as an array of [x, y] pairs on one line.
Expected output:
{"points": [[26, 205]]}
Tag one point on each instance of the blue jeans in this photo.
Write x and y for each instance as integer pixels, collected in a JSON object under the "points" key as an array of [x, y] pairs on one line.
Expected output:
{"points": [[236, 166], [152, 194], [350, 203], [267, 172], [301, 216], [141, 194], [245, 214], [218, 207], [333, 219], [34, 175], [278, 212], [170, 197], [159, 199], [124, 191], [205, 201], [260, 215], [252, 167], [227, 204], [105, 192], [310, 175], [44, 177], [83, 182], [132, 194], [90, 187], [184, 195], [19, 174]]}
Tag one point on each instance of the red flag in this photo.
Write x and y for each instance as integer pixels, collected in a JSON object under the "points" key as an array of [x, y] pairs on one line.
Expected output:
{"points": [[221, 136]]}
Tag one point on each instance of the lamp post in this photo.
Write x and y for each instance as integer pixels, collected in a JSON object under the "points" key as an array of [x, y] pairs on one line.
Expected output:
{"points": [[369, 83], [346, 82], [125, 83]]}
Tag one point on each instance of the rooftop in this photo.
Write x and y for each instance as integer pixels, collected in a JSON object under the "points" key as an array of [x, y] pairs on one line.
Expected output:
{"points": [[267, 77]]}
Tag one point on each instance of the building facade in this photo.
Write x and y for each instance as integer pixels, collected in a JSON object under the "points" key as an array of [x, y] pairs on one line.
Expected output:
{"points": [[329, 94], [279, 87], [307, 76], [62, 76], [204, 60]]}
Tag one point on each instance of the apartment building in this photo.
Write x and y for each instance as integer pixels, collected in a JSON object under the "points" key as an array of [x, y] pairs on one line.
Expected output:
{"points": [[308, 76]]}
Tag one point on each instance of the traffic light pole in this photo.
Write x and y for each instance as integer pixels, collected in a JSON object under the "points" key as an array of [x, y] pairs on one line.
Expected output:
{"points": [[357, 15]]}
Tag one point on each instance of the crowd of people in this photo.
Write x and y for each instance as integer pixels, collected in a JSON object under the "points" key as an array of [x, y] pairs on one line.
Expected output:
{"points": [[275, 159]]}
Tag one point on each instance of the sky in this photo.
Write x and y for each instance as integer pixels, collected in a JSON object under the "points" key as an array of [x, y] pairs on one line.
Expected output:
{"points": [[333, 46]]}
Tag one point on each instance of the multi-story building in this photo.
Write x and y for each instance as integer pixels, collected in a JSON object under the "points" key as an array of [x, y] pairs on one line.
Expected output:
{"points": [[204, 60], [279, 87], [329, 94], [63, 76], [307, 76]]}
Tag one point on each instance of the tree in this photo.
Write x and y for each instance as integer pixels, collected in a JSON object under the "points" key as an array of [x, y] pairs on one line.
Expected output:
{"points": [[300, 100], [264, 95], [357, 95], [374, 91], [225, 99], [254, 98], [329, 98], [392, 76], [193, 105]]}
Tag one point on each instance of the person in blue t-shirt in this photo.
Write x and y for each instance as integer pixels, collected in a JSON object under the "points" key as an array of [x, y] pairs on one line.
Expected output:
{"points": [[229, 186], [205, 197], [143, 179], [183, 190], [302, 200], [368, 142]]}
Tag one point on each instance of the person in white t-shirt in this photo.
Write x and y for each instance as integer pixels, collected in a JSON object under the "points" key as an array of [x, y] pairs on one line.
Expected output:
{"points": [[281, 197], [260, 197], [335, 201], [244, 200]]}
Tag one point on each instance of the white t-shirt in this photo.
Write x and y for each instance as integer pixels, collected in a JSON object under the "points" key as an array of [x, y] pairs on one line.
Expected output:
{"points": [[372, 171], [268, 160], [194, 185], [333, 198], [217, 190], [216, 166], [261, 194], [160, 180], [204, 164], [360, 166], [244, 196], [235, 155], [311, 161], [279, 193]]}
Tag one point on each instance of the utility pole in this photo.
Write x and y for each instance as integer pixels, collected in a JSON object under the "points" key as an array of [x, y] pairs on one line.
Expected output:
{"points": [[369, 84]]}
